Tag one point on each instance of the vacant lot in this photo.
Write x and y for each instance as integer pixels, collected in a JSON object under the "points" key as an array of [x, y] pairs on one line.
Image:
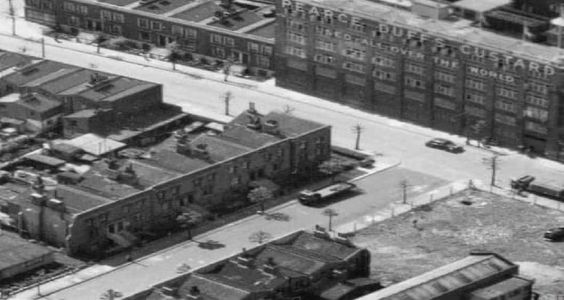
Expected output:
{"points": [[448, 230]]}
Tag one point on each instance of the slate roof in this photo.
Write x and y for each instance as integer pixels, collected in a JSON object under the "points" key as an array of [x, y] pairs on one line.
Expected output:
{"points": [[17, 251], [212, 290], [501, 288]]}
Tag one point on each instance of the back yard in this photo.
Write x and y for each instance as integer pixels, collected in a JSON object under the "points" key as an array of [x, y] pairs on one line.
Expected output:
{"points": [[448, 230]]}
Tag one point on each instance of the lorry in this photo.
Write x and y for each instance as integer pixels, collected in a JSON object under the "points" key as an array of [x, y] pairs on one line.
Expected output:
{"points": [[544, 188], [307, 197]]}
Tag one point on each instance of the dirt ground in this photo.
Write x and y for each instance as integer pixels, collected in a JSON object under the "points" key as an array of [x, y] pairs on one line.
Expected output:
{"points": [[448, 230]]}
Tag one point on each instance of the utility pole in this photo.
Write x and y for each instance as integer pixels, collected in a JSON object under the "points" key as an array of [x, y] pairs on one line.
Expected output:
{"points": [[492, 164], [357, 129], [43, 47], [404, 184], [12, 14], [227, 99]]}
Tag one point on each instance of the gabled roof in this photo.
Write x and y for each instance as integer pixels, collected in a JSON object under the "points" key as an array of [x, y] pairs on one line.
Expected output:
{"points": [[211, 289], [445, 279]]}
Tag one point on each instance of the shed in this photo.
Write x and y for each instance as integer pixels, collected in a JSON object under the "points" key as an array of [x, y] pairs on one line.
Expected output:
{"points": [[95, 144], [45, 161]]}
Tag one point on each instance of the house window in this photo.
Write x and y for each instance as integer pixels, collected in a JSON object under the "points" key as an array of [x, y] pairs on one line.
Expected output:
{"points": [[116, 29], [67, 6], [263, 61], [156, 25], [74, 21], [266, 50], [215, 38], [83, 9], [235, 181], [118, 18], [143, 23], [253, 47], [228, 41], [144, 36], [106, 15]]}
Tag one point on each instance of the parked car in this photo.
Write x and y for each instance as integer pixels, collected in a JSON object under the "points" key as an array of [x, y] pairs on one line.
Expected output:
{"points": [[554, 234], [444, 144]]}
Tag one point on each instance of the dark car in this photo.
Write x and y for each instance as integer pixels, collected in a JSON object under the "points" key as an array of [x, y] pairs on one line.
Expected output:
{"points": [[444, 144], [554, 234]]}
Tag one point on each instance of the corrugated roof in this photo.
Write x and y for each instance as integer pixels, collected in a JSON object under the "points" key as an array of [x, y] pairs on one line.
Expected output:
{"points": [[502, 288], [444, 279], [95, 144]]}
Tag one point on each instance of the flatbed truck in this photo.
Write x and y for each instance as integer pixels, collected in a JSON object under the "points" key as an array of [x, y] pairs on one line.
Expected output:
{"points": [[309, 197]]}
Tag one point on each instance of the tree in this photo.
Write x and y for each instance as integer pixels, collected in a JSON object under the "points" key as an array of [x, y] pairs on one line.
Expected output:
{"points": [[174, 56], [260, 195], [110, 295], [227, 99], [12, 13], [260, 237], [289, 109], [404, 184], [329, 212], [331, 167], [99, 40], [188, 220], [492, 164], [357, 129]]}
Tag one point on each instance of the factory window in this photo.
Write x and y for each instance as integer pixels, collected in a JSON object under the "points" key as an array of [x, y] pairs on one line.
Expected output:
{"points": [[323, 58], [530, 99], [358, 27], [325, 72], [355, 53], [383, 75], [320, 30], [295, 25], [355, 79], [475, 84], [295, 51], [383, 61], [359, 68], [446, 77], [444, 89], [296, 38], [539, 88], [475, 98], [444, 103], [414, 69], [505, 106], [327, 46], [504, 92], [413, 82]]}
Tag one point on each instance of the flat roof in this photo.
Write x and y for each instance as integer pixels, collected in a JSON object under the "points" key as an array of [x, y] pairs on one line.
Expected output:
{"points": [[38, 102], [17, 251], [119, 2], [9, 60], [47, 160], [51, 76], [242, 19], [112, 87], [162, 6], [60, 84], [460, 31], [33, 71], [218, 148], [198, 13], [77, 200], [480, 5], [95, 144], [266, 31]]}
